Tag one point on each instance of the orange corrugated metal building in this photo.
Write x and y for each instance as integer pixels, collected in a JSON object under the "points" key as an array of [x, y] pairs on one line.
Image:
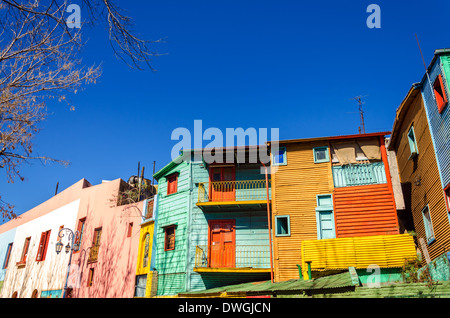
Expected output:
{"points": [[419, 176], [329, 188]]}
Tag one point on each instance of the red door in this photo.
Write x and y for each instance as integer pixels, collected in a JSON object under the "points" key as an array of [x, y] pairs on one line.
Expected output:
{"points": [[222, 243], [222, 184]]}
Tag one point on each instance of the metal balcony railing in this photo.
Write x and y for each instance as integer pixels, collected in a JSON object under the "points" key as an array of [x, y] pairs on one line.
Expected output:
{"points": [[359, 174], [240, 256], [220, 191]]}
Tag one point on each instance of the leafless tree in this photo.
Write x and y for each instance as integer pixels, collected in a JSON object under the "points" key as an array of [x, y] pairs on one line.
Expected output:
{"points": [[40, 59]]}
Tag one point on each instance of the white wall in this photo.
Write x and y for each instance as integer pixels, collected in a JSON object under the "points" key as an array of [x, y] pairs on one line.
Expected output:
{"points": [[49, 274]]}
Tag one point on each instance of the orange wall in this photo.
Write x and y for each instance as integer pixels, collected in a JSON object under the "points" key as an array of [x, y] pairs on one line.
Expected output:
{"points": [[365, 210]]}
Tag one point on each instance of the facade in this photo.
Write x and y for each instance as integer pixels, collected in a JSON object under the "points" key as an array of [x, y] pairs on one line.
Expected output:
{"points": [[103, 261], [104, 266], [325, 191], [420, 139], [146, 276], [212, 224], [30, 266], [436, 94]]}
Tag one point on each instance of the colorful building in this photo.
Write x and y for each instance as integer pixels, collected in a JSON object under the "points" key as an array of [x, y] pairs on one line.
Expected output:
{"points": [[420, 139], [436, 94], [333, 198], [212, 222], [30, 266], [105, 246], [146, 275]]}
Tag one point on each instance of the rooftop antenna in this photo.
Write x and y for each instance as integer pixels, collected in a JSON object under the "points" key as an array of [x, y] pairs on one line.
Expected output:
{"points": [[423, 60], [361, 113]]}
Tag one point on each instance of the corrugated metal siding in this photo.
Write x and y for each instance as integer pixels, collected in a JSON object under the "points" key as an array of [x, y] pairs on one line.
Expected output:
{"points": [[294, 190], [439, 123], [420, 178], [360, 252], [365, 210]]}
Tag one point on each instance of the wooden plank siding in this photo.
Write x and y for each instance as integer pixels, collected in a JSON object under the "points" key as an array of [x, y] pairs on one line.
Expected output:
{"points": [[365, 210], [420, 176], [172, 209], [294, 190]]}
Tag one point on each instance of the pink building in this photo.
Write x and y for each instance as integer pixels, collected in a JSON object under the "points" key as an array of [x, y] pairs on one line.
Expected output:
{"points": [[103, 265]]}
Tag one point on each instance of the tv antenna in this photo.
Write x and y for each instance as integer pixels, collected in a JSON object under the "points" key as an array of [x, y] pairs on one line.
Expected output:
{"points": [[361, 113]]}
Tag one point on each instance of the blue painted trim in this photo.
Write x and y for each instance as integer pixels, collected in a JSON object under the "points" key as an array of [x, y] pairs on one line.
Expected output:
{"points": [[327, 158], [288, 225], [284, 163]]}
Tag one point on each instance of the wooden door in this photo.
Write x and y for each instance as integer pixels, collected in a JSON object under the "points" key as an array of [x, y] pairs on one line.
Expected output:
{"points": [[222, 184], [326, 224], [222, 243]]}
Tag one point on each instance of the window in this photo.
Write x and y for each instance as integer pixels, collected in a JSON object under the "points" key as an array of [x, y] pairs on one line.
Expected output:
{"points": [[169, 240], [43, 244], [172, 182], [321, 154], [447, 196], [8, 255], [59, 231], [146, 250], [412, 143], [80, 229], [130, 229], [282, 225], [279, 157], [428, 225], [90, 277], [23, 258], [97, 237], [439, 93], [447, 199], [325, 217]]}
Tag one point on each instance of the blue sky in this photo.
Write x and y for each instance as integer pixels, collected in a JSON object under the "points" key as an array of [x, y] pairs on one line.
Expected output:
{"points": [[292, 65]]}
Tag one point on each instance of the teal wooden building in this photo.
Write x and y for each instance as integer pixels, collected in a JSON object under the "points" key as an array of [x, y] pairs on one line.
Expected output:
{"points": [[212, 224]]}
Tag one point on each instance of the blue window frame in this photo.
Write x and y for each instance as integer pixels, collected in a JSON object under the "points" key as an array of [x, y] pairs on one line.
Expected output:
{"points": [[412, 143], [282, 225], [279, 157], [321, 154], [428, 225], [325, 217]]}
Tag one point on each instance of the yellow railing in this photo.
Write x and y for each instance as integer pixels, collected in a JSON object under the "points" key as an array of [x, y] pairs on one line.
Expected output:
{"points": [[220, 191], [240, 256]]}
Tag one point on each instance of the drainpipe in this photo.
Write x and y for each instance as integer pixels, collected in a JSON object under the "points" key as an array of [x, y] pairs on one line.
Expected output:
{"points": [[268, 222]]}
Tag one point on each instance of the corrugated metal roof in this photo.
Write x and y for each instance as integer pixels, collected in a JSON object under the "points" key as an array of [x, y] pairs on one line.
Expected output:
{"points": [[327, 282]]}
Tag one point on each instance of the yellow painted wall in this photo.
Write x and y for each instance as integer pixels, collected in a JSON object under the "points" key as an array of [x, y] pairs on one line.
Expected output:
{"points": [[145, 228]]}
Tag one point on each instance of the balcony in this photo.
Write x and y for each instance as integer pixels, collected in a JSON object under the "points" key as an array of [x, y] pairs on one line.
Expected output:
{"points": [[359, 174], [251, 193], [239, 258]]}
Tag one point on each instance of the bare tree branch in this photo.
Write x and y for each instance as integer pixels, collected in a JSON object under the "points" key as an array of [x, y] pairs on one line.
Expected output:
{"points": [[40, 60]]}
